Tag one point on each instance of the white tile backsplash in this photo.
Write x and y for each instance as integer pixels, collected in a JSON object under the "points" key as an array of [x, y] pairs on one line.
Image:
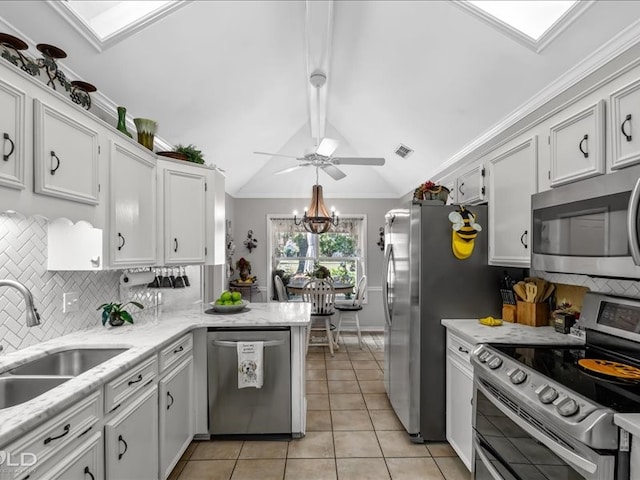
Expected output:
{"points": [[613, 286]]}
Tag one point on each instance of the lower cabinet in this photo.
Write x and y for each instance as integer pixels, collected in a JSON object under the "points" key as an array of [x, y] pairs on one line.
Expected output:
{"points": [[131, 449], [459, 397], [85, 463], [176, 415]]}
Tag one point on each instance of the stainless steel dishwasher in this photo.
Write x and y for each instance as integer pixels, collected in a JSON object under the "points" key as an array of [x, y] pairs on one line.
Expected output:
{"points": [[249, 411]]}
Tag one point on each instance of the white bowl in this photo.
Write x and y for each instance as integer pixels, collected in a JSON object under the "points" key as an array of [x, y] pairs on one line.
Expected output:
{"points": [[229, 308]]}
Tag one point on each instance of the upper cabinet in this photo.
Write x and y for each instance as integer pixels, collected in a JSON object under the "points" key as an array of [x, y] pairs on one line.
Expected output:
{"points": [[625, 125], [512, 181], [470, 186], [12, 113], [66, 155], [578, 146], [181, 227], [132, 206]]}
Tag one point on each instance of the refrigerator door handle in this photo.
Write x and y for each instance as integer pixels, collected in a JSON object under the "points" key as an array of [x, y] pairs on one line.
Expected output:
{"points": [[385, 284]]}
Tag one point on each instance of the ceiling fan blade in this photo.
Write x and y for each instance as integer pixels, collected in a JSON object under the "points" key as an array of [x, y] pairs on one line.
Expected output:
{"points": [[291, 169], [327, 147], [333, 172], [358, 161], [278, 155]]}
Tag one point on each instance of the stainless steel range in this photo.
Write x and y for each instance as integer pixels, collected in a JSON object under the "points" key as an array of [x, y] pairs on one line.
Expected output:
{"points": [[544, 412]]}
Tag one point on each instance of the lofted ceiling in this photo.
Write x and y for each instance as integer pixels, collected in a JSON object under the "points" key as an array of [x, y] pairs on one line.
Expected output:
{"points": [[230, 77]]}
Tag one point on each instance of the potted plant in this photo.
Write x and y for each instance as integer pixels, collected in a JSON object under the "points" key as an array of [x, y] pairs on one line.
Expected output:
{"points": [[430, 191], [115, 313], [191, 151]]}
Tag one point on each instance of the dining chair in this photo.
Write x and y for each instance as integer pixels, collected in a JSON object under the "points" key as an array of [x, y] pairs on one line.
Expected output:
{"points": [[281, 292], [321, 295], [349, 312]]}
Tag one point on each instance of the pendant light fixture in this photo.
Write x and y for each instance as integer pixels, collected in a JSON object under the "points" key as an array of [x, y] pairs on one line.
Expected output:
{"points": [[316, 218]]}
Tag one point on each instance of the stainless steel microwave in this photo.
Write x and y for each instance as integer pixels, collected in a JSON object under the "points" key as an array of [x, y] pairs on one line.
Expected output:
{"points": [[589, 227]]}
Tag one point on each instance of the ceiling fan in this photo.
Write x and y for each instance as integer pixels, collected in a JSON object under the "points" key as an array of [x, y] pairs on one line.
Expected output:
{"points": [[322, 157]]}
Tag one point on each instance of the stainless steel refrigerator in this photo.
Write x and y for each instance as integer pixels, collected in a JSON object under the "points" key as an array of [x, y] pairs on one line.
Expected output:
{"points": [[424, 283]]}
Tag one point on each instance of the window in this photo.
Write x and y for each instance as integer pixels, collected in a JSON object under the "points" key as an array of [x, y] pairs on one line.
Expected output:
{"points": [[295, 253]]}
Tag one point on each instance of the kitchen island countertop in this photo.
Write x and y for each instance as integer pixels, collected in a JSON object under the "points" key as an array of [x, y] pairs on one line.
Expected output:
{"points": [[160, 327], [474, 332]]}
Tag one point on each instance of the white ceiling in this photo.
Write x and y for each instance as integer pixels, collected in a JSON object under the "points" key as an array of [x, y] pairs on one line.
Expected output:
{"points": [[230, 78]]}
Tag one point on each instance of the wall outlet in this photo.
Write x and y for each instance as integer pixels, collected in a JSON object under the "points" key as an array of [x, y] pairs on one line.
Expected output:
{"points": [[70, 302]]}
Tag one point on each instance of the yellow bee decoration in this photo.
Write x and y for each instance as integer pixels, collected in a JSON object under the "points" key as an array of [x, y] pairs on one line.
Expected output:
{"points": [[465, 230]]}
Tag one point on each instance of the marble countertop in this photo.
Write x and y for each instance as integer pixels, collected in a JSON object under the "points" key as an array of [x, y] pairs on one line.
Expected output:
{"points": [[629, 421], [474, 332], [161, 327]]}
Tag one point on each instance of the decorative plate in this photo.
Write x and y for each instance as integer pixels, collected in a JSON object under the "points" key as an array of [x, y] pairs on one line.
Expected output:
{"points": [[229, 308]]}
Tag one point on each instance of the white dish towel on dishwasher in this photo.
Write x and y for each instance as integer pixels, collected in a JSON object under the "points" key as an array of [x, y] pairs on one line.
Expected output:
{"points": [[250, 364]]}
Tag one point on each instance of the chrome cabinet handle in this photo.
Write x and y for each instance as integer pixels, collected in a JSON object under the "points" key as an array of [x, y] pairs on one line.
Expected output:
{"points": [[139, 379], [88, 472], [66, 429], [584, 152], [121, 237], [626, 119], [53, 155], [172, 400], [5, 157], [522, 238], [175, 244], [126, 447]]}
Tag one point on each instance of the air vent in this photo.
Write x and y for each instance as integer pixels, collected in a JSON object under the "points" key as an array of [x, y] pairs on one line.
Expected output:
{"points": [[403, 151]]}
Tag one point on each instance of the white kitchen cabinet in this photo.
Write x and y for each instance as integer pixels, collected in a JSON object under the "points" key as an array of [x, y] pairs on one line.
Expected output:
{"points": [[470, 186], [132, 207], [131, 446], [578, 146], [65, 154], [176, 419], [512, 181], [459, 394], [12, 131], [181, 191], [625, 125], [215, 214], [83, 463], [452, 198]]}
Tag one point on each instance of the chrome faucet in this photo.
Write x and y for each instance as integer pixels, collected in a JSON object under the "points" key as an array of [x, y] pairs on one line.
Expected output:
{"points": [[33, 318]]}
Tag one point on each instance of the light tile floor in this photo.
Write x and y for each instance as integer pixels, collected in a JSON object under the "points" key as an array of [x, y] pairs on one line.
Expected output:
{"points": [[352, 432]]}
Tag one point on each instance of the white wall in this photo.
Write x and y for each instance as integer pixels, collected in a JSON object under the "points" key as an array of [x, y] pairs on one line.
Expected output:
{"points": [[251, 214]]}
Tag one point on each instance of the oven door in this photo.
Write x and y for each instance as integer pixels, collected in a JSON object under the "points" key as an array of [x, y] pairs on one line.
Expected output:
{"points": [[589, 227], [508, 447]]}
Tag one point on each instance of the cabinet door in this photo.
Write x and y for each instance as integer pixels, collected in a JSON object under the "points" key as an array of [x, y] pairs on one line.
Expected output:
{"points": [[132, 204], [184, 217], [84, 463], [12, 104], [625, 126], [66, 156], [512, 181], [176, 415], [453, 197], [216, 225], [131, 440], [577, 146], [470, 186], [459, 409]]}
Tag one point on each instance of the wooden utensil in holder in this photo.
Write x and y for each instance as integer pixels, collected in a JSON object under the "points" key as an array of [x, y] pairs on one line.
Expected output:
{"points": [[532, 314]]}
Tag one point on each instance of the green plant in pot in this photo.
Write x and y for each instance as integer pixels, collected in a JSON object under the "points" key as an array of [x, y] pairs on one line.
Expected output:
{"points": [[191, 151], [115, 314]]}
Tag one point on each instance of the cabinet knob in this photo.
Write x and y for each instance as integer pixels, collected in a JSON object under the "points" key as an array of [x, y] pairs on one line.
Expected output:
{"points": [[95, 261], [626, 119], [5, 156]]}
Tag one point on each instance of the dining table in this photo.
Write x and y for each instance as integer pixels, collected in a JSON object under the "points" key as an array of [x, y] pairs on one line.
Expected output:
{"points": [[338, 287]]}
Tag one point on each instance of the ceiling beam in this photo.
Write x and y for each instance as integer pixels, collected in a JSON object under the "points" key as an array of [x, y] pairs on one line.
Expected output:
{"points": [[318, 40]]}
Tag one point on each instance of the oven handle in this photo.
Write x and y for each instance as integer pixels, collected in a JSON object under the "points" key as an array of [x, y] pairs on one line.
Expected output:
{"points": [[561, 451], [632, 223], [485, 461]]}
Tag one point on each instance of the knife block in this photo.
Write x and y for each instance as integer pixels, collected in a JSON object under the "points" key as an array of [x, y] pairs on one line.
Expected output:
{"points": [[532, 314]]}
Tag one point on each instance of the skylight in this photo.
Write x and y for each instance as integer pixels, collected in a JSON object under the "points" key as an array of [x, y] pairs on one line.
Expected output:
{"points": [[106, 22], [532, 18], [534, 23]]}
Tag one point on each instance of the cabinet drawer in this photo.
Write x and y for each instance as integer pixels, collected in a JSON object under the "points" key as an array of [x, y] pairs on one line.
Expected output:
{"points": [[47, 441], [83, 463], [118, 390], [459, 348], [175, 352]]}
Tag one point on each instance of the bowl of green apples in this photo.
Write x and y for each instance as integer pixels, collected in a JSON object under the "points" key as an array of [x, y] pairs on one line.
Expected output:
{"points": [[229, 302]]}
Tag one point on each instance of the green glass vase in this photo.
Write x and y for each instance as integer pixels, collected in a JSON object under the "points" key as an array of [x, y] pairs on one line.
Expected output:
{"points": [[122, 121]]}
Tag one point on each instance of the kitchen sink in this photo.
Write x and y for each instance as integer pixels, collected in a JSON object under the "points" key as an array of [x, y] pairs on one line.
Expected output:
{"points": [[69, 363], [16, 390]]}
